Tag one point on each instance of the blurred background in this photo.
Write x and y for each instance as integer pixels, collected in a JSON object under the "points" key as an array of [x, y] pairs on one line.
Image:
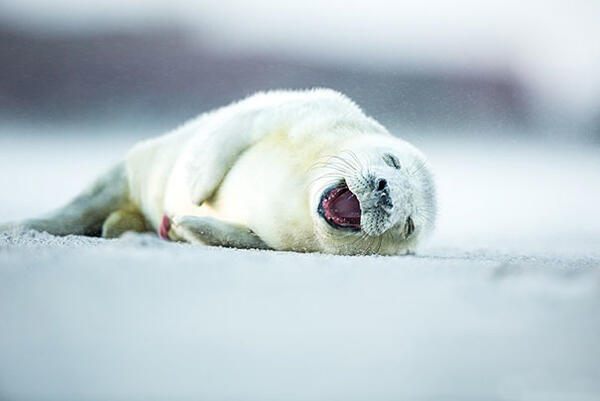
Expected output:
{"points": [[500, 65], [502, 95]]}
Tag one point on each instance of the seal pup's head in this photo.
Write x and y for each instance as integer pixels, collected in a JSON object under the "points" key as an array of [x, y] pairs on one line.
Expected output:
{"points": [[375, 195]]}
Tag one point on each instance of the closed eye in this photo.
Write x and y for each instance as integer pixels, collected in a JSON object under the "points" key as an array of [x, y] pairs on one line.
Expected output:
{"points": [[391, 160], [409, 227]]}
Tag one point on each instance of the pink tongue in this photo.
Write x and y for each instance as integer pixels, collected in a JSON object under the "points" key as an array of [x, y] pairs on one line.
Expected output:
{"points": [[346, 205]]}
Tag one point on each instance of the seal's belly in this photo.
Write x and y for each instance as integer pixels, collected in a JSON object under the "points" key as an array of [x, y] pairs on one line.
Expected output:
{"points": [[267, 191]]}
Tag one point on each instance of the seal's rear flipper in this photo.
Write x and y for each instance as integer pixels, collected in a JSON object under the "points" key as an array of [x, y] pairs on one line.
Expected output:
{"points": [[123, 220], [85, 214], [210, 231]]}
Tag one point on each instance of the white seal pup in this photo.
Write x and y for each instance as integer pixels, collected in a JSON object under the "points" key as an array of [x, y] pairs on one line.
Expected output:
{"points": [[302, 171]]}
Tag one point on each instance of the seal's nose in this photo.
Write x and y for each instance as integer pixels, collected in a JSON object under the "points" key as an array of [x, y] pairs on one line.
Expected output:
{"points": [[382, 193]]}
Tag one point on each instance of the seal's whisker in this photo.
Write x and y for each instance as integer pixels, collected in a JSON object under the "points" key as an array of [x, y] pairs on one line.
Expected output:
{"points": [[330, 177], [350, 162], [428, 218], [339, 165], [344, 161], [329, 163], [369, 245], [428, 215], [328, 167], [360, 238], [372, 246], [353, 155], [327, 175], [420, 165]]}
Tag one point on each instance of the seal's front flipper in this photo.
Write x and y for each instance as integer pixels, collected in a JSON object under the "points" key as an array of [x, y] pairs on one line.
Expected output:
{"points": [[210, 231]]}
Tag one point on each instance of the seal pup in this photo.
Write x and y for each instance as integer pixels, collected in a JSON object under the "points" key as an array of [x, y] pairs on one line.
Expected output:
{"points": [[303, 171]]}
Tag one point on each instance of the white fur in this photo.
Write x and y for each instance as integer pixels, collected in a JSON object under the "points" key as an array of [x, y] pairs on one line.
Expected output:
{"points": [[252, 163]]}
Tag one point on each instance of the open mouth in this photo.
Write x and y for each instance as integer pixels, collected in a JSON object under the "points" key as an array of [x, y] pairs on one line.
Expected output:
{"points": [[340, 208]]}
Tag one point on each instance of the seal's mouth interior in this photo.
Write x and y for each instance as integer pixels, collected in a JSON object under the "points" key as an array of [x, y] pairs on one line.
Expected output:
{"points": [[340, 207]]}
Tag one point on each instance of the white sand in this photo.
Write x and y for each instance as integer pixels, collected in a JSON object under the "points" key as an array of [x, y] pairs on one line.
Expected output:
{"points": [[503, 303]]}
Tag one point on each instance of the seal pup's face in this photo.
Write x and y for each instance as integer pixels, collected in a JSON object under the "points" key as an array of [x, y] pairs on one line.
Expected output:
{"points": [[373, 197]]}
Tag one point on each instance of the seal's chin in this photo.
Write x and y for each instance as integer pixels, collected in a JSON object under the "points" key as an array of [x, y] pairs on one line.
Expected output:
{"points": [[340, 208]]}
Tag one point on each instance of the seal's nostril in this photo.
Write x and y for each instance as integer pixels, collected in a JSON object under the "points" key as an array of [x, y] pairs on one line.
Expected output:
{"points": [[381, 184]]}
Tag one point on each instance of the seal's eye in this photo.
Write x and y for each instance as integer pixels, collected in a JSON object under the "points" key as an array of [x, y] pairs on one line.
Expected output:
{"points": [[409, 227], [391, 160]]}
